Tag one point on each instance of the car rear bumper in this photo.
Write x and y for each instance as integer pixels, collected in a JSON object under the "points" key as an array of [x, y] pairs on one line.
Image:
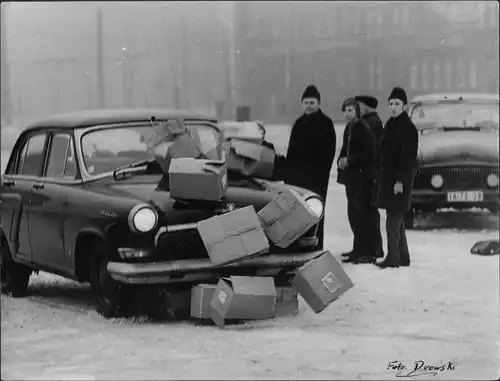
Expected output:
{"points": [[437, 199], [197, 270]]}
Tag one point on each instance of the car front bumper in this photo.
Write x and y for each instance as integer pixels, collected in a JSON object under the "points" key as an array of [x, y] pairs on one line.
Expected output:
{"points": [[197, 270], [437, 199]]}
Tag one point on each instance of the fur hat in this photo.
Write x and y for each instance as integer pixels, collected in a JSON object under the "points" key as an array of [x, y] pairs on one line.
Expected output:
{"points": [[398, 93], [368, 100], [351, 102], [311, 92]]}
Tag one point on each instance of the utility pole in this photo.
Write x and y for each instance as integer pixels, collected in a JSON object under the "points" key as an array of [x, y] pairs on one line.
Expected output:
{"points": [[6, 96], [101, 96], [226, 71], [289, 41], [232, 61], [185, 64]]}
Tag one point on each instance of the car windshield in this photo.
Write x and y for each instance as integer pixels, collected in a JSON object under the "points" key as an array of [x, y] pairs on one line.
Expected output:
{"points": [[456, 115], [106, 149]]}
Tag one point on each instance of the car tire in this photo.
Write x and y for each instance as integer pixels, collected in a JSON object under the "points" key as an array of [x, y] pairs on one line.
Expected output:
{"points": [[409, 219], [110, 295], [15, 277], [164, 303]]}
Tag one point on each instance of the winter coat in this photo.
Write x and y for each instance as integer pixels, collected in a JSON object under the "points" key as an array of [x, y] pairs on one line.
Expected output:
{"points": [[397, 162], [310, 153], [358, 146], [376, 125]]}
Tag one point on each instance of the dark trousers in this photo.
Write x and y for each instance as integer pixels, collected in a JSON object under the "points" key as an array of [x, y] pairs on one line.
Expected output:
{"points": [[374, 221], [364, 217], [397, 246]]}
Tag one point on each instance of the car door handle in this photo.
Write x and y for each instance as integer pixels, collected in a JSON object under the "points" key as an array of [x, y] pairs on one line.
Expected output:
{"points": [[9, 183], [38, 186]]}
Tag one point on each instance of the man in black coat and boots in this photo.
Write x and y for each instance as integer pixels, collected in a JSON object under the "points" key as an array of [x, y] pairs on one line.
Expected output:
{"points": [[311, 150], [397, 159], [357, 172], [368, 106]]}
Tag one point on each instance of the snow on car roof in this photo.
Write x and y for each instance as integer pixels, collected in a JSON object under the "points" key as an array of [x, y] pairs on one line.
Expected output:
{"points": [[455, 96], [88, 118]]}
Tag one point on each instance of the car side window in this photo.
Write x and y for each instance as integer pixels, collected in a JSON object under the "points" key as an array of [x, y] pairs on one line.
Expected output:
{"points": [[31, 157], [61, 163]]}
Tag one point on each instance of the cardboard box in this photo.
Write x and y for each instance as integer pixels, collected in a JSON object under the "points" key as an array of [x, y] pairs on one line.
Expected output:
{"points": [[251, 159], [201, 296], [163, 131], [184, 147], [195, 179], [321, 281], [249, 131], [286, 218], [287, 302], [243, 297], [233, 236]]}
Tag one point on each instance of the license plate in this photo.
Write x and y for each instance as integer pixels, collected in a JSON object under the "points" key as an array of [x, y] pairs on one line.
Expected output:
{"points": [[469, 196]]}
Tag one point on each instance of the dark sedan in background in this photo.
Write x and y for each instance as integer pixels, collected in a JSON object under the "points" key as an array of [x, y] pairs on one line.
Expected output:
{"points": [[458, 152]]}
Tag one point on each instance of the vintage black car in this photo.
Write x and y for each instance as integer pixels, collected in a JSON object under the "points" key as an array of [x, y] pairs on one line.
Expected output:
{"points": [[458, 152], [80, 198]]}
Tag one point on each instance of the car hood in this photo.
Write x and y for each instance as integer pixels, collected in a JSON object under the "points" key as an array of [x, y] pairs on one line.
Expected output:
{"points": [[468, 146], [146, 192]]}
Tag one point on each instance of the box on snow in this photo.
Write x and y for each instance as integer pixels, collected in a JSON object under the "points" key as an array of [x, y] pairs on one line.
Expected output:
{"points": [[321, 281], [196, 179], [287, 302], [201, 296], [287, 217], [233, 236], [243, 297], [251, 159]]}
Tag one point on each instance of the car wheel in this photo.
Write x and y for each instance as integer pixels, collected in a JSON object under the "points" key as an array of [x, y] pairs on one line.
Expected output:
{"points": [[14, 276], [170, 302], [409, 219], [110, 295]]}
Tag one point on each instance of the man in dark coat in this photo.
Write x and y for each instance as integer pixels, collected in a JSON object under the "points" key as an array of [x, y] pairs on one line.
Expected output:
{"points": [[356, 171], [368, 106], [311, 150], [397, 159]]}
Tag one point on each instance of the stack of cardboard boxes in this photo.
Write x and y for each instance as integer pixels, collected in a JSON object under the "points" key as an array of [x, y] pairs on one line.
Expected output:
{"points": [[244, 233]]}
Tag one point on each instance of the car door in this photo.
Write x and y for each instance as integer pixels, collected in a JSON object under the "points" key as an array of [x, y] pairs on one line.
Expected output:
{"points": [[49, 196], [21, 174]]}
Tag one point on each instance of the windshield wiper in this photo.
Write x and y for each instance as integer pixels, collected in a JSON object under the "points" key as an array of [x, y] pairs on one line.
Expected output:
{"points": [[119, 173]]}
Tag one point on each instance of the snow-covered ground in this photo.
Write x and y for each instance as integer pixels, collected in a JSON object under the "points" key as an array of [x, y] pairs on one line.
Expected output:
{"points": [[444, 308]]}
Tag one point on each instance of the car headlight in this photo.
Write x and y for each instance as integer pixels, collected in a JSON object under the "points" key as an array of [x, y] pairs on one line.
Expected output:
{"points": [[437, 181], [142, 218], [492, 180], [316, 205]]}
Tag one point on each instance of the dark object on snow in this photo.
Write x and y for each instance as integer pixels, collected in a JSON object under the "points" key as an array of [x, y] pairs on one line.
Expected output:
{"points": [[489, 247]]}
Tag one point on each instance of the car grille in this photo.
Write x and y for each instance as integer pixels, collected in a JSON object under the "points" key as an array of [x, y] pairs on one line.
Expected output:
{"points": [[455, 177], [188, 245]]}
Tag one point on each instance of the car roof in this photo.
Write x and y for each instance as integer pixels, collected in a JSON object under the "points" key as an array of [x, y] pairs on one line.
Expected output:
{"points": [[86, 118], [455, 96]]}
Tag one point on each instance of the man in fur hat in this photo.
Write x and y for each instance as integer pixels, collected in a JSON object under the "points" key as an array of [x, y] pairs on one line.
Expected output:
{"points": [[368, 106], [311, 149], [397, 159], [356, 171]]}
